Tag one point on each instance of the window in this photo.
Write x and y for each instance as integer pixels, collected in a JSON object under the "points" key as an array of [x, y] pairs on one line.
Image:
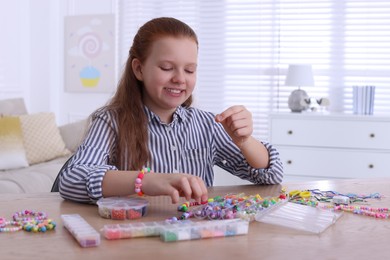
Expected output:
{"points": [[246, 46]]}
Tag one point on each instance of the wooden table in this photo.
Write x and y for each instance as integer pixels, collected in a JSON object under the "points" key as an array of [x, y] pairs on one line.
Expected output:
{"points": [[352, 237]]}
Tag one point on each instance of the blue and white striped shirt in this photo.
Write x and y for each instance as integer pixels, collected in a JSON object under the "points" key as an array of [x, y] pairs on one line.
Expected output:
{"points": [[192, 143]]}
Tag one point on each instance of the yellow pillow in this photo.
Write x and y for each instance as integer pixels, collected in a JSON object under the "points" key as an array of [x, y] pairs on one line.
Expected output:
{"points": [[12, 154], [41, 138]]}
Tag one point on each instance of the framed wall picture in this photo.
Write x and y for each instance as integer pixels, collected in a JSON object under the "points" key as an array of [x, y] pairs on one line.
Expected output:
{"points": [[90, 53]]}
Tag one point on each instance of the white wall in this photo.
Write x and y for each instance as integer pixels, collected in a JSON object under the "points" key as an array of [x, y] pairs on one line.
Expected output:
{"points": [[32, 60], [32, 54], [73, 106], [14, 48]]}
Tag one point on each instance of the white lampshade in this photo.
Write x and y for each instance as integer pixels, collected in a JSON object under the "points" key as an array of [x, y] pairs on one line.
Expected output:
{"points": [[299, 75]]}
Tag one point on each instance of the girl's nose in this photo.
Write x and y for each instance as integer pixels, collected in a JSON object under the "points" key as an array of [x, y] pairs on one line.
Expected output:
{"points": [[179, 78]]}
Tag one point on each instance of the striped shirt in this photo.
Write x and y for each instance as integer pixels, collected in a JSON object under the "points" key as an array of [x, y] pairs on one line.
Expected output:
{"points": [[192, 143]]}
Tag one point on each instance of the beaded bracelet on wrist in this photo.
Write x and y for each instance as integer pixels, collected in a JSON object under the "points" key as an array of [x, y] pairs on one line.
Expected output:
{"points": [[138, 181]]}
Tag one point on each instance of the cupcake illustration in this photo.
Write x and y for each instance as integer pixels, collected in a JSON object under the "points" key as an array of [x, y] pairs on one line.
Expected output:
{"points": [[89, 76], [86, 41]]}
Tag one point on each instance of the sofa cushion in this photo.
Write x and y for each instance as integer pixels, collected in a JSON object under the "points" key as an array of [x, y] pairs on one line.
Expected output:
{"points": [[41, 137], [73, 133], [12, 154], [36, 178], [13, 106]]}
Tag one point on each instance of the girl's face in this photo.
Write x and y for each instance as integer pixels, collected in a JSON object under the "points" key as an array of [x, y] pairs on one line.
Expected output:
{"points": [[168, 74]]}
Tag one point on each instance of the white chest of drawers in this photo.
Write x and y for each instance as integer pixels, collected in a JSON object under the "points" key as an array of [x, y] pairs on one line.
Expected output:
{"points": [[316, 146]]}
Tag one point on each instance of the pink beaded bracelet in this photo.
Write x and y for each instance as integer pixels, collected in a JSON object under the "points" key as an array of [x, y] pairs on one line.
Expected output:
{"points": [[28, 215], [138, 181], [16, 226], [3, 222]]}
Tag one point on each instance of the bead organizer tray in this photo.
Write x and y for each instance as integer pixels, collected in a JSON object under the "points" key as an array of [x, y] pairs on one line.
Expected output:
{"points": [[176, 231], [81, 230], [201, 230], [121, 208], [301, 217], [139, 229]]}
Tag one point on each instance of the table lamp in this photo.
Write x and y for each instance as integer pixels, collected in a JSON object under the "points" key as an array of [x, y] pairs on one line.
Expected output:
{"points": [[299, 75]]}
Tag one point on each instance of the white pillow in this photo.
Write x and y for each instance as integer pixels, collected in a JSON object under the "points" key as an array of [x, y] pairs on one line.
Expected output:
{"points": [[13, 106], [41, 138], [12, 153]]}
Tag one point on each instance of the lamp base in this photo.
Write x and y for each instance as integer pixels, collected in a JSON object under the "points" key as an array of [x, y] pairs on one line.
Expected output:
{"points": [[296, 101]]}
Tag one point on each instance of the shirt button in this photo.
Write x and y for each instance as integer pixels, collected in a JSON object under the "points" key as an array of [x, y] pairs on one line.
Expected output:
{"points": [[173, 148]]}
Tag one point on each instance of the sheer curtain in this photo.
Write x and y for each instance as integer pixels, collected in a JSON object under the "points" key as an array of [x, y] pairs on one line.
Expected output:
{"points": [[247, 45]]}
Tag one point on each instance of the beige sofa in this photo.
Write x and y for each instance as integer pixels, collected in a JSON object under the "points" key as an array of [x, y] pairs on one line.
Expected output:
{"points": [[39, 174]]}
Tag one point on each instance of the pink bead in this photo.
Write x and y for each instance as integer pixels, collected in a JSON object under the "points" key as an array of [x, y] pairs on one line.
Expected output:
{"points": [[113, 234], [138, 180]]}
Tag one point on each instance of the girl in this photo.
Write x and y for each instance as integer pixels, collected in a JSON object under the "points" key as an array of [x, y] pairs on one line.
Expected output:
{"points": [[150, 122]]}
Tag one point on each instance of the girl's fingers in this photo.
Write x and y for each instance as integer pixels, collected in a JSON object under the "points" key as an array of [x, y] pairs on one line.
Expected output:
{"points": [[185, 187], [228, 113], [176, 186], [197, 190]]}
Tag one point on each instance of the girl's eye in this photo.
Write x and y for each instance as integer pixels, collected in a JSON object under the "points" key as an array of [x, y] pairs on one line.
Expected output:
{"points": [[190, 71], [165, 68]]}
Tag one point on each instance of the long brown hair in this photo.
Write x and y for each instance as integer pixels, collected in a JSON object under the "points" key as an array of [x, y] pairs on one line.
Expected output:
{"points": [[133, 152]]}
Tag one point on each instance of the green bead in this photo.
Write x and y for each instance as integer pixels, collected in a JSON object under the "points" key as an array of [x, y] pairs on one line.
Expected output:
{"points": [[170, 236], [218, 198]]}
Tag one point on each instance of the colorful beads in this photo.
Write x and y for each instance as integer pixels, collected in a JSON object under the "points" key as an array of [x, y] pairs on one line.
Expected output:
{"points": [[134, 214], [29, 221], [185, 206], [228, 207], [118, 213], [138, 181], [122, 208], [39, 226], [2, 222], [381, 213], [327, 196], [339, 202], [16, 226], [246, 207], [28, 215]]}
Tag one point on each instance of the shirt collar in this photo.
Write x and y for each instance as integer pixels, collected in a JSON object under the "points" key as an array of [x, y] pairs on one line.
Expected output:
{"points": [[179, 114]]}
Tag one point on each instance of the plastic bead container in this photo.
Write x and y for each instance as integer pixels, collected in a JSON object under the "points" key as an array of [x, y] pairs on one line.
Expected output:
{"points": [[299, 217], [176, 231], [121, 208], [81, 230], [201, 230], [139, 229]]}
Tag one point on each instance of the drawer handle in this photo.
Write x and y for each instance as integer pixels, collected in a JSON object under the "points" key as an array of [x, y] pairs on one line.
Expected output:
{"points": [[290, 132], [371, 166], [289, 162], [372, 135]]}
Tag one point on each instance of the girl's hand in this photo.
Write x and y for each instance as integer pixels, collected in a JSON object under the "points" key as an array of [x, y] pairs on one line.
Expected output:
{"points": [[175, 185], [237, 122]]}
